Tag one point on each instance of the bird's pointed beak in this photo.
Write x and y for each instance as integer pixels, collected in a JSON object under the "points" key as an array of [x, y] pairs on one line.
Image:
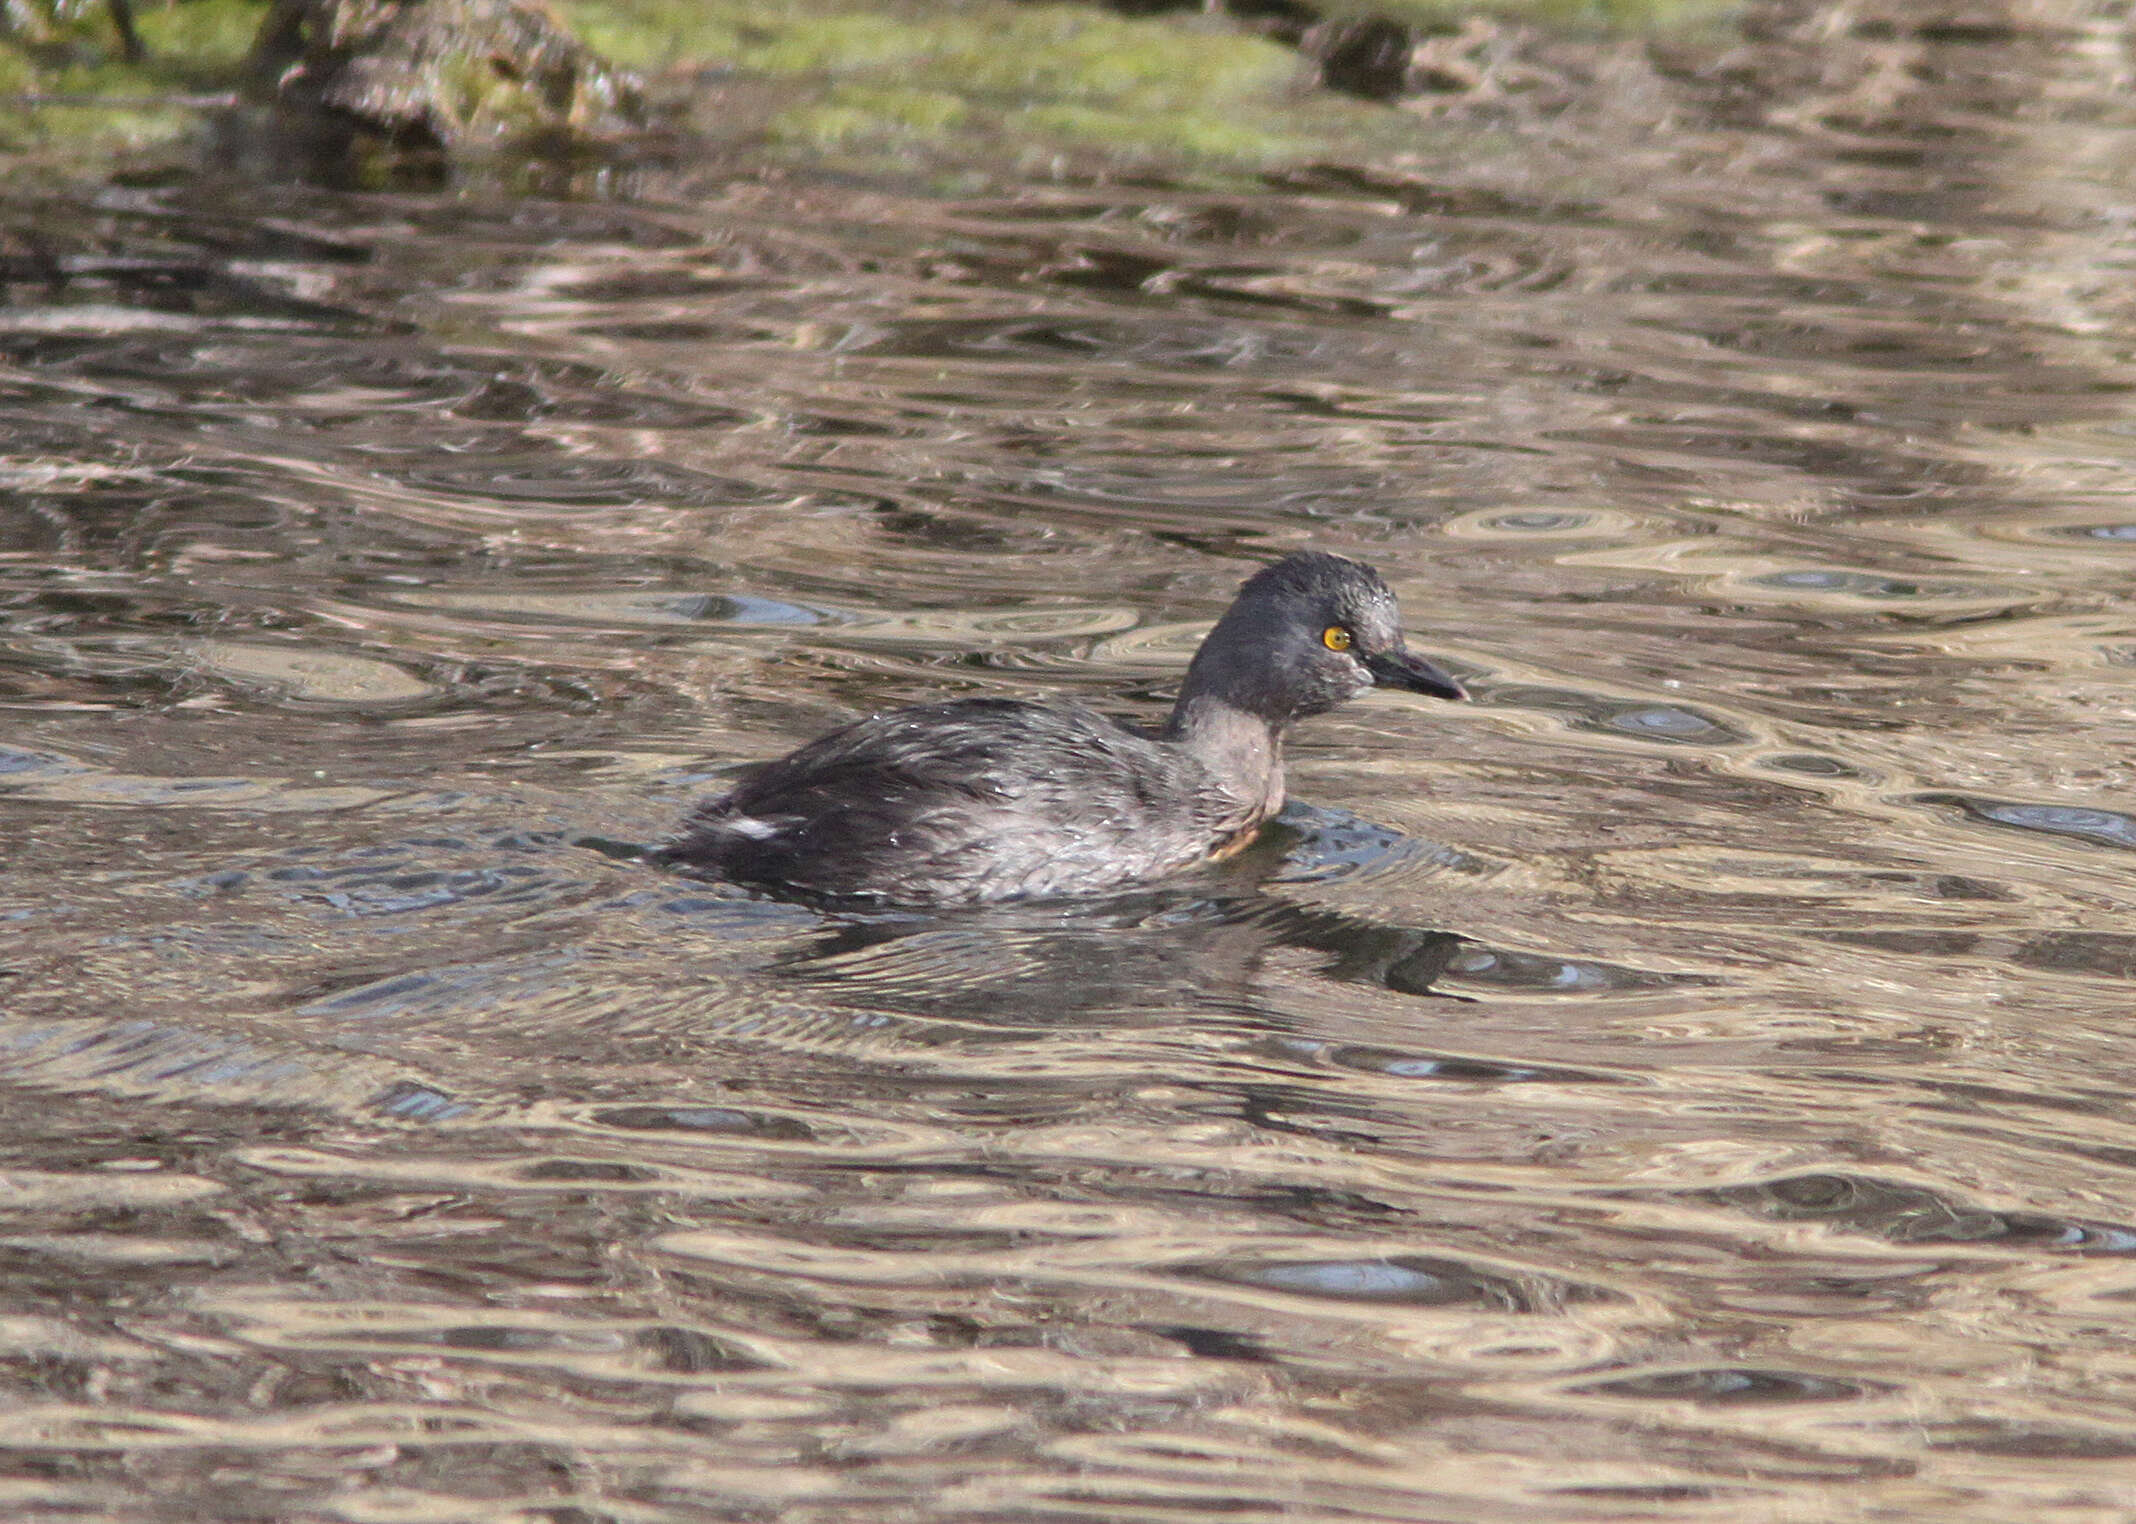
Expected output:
{"points": [[1403, 669]]}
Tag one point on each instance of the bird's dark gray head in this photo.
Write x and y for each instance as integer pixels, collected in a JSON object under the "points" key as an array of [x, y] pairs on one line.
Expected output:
{"points": [[1304, 635]]}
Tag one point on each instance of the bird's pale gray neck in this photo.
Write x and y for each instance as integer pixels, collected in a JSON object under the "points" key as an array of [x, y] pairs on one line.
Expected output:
{"points": [[1242, 751]]}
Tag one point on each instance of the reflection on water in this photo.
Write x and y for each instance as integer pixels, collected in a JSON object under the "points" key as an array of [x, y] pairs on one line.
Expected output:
{"points": [[1689, 1083]]}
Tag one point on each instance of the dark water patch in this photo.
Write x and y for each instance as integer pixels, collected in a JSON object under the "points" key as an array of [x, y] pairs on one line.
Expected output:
{"points": [[1969, 1095], [364, 993], [1004, 971], [1109, 269], [1215, 1343], [74, 606], [1956, 886], [1410, 961], [2101, 827], [171, 1064], [384, 996], [1407, 1280], [208, 885], [488, 232], [1908, 1214], [598, 605], [940, 531], [731, 913], [1166, 342], [208, 292], [587, 1172], [247, 233], [1689, 444], [1539, 522], [153, 1052], [667, 282], [221, 369], [687, 331], [495, 1338], [1422, 961], [690, 1351], [387, 892], [1810, 764], [1665, 723], [18, 766], [1754, 285], [2096, 954], [1429, 416], [2033, 1441], [1656, 1494], [93, 455], [1913, 942], [412, 1101], [1440, 199], [1405, 1064], [1895, 347], [1323, 845], [1868, 585], [826, 425], [1733, 1386], [725, 1120], [565, 482], [1531, 973], [562, 394], [1266, 289]]}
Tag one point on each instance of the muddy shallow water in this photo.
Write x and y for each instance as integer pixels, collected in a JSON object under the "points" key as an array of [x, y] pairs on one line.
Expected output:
{"points": [[1691, 1082]]}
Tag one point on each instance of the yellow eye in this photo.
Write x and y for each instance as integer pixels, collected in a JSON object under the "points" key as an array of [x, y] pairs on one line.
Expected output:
{"points": [[1335, 638]]}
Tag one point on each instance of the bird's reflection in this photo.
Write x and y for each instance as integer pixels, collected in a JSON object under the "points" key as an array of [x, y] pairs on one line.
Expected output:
{"points": [[1202, 941], [1164, 949]]}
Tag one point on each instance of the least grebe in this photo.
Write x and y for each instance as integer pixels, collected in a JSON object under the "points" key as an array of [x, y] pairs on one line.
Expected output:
{"points": [[983, 800]]}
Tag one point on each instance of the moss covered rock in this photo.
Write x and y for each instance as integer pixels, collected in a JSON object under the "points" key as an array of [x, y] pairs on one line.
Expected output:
{"points": [[402, 81]]}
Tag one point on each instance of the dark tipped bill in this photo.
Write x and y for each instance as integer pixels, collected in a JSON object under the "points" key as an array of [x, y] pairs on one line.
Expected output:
{"points": [[1402, 669]]}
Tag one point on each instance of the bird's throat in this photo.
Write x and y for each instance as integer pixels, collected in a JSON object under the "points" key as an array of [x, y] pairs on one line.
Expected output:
{"points": [[1241, 751]]}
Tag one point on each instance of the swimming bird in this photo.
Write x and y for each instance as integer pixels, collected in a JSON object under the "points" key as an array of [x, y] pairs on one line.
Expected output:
{"points": [[984, 800]]}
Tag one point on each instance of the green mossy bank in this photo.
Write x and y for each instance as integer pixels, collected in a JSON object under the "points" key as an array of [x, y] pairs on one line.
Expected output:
{"points": [[913, 85]]}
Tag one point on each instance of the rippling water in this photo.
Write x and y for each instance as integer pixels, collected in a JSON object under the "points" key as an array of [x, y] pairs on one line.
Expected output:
{"points": [[1689, 1083]]}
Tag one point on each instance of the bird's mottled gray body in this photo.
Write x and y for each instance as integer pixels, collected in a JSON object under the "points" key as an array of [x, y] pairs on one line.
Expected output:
{"points": [[994, 799], [984, 799]]}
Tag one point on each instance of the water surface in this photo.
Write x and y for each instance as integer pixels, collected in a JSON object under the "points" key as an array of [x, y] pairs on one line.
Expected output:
{"points": [[1688, 1083]]}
